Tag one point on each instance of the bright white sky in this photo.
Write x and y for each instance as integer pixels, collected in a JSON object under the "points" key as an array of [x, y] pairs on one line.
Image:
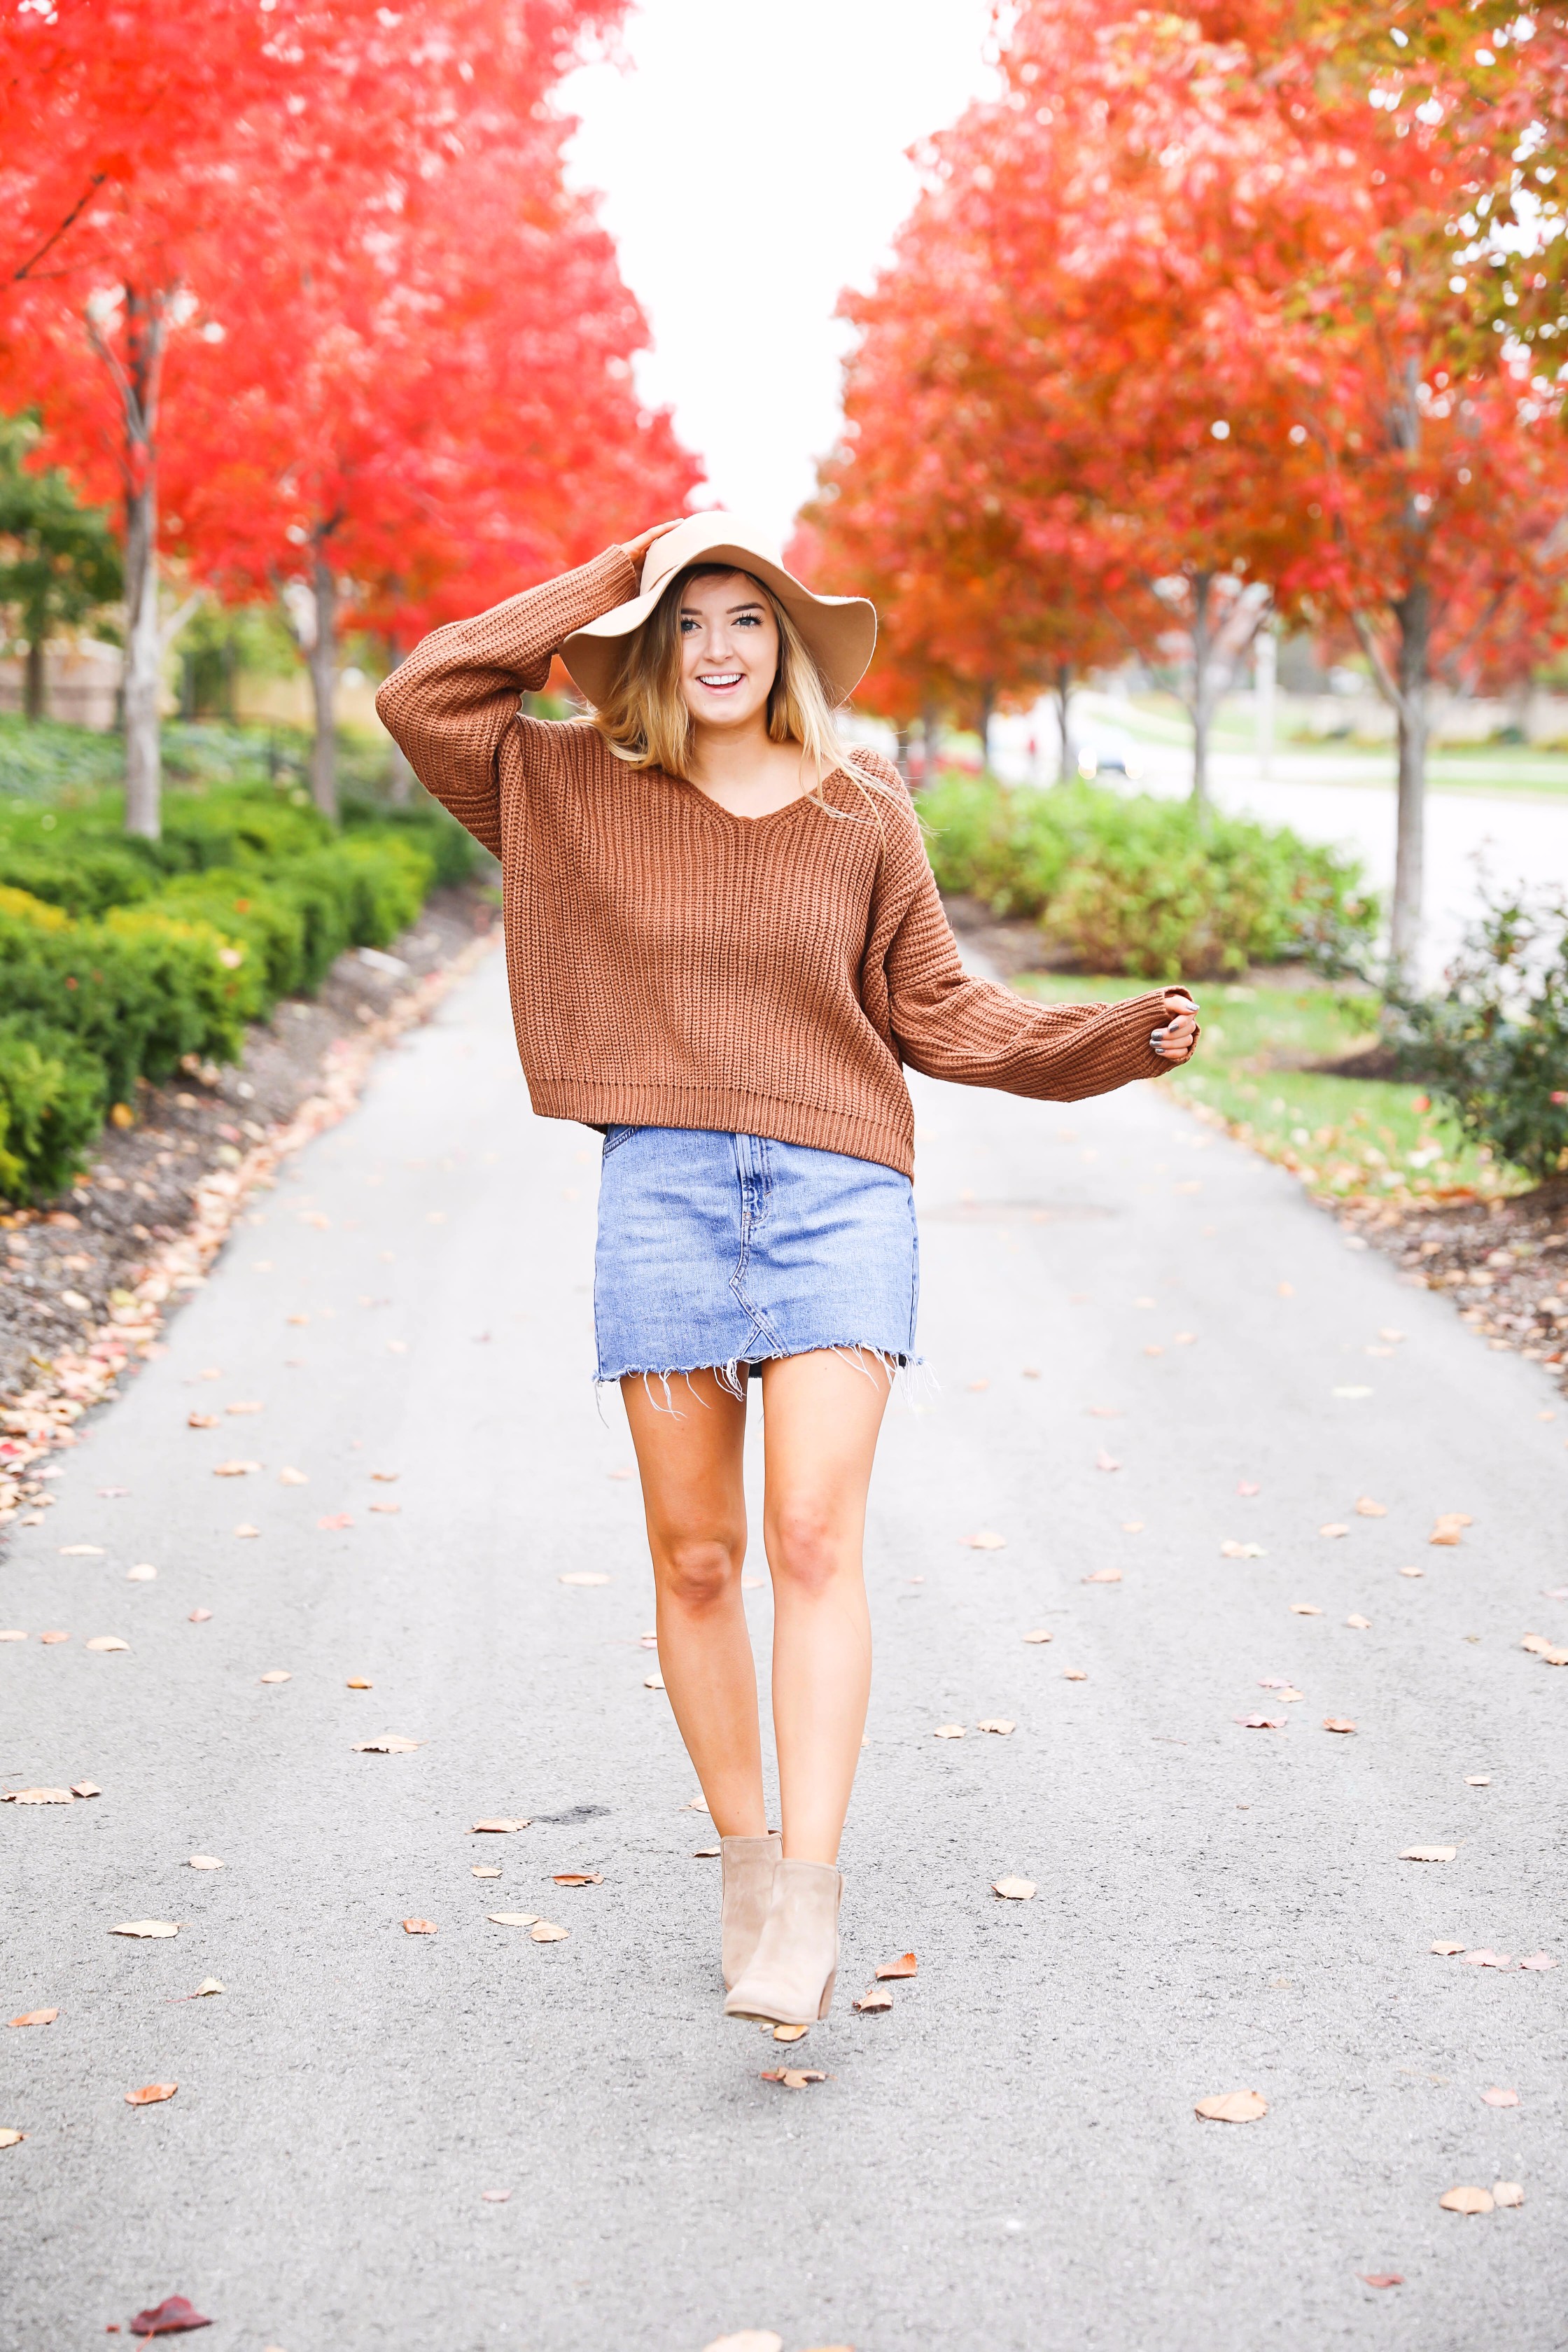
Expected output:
{"points": [[750, 157]]}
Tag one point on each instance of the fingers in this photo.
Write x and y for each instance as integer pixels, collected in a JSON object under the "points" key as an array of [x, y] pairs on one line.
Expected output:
{"points": [[636, 549]]}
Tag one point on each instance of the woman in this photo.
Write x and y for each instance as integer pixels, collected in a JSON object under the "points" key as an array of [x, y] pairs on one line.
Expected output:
{"points": [[723, 940]]}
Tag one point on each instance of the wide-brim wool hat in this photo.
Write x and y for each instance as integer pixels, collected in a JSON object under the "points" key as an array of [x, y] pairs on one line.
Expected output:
{"points": [[841, 631]]}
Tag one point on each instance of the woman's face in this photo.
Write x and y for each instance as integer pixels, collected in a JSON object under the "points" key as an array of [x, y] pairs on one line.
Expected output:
{"points": [[729, 649]]}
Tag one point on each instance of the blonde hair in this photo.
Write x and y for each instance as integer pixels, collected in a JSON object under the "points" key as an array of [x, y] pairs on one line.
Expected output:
{"points": [[645, 723]]}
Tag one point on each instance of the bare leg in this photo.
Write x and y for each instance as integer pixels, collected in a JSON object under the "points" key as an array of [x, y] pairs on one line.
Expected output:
{"points": [[821, 1416], [691, 1464]]}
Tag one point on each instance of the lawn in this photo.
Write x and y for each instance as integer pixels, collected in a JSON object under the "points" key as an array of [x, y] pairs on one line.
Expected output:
{"points": [[1345, 1137]]}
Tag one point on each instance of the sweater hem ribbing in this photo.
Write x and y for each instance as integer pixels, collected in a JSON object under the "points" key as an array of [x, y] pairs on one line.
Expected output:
{"points": [[722, 1110]]}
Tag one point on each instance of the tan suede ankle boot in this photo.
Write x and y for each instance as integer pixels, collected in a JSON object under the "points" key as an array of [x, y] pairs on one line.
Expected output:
{"points": [[748, 1865], [790, 1978]]}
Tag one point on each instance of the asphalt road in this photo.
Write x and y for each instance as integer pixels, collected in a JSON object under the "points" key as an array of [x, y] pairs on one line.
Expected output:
{"points": [[1010, 2159]]}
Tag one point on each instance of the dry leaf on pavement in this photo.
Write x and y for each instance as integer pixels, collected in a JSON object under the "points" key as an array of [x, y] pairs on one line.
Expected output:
{"points": [[579, 1878], [245, 1528], [1338, 1723], [1102, 1576], [1449, 1526], [54, 1637], [86, 1789], [1013, 1890], [1381, 2278], [997, 1723], [358, 1681], [985, 1539], [1485, 1958], [788, 2033], [1074, 1674], [245, 1408], [419, 1927], [501, 1826], [1334, 1528], [1305, 1609], [37, 1797], [81, 1551], [146, 1928], [794, 2078], [1367, 1510], [1261, 1722], [1507, 2192], [653, 1681], [10, 2137], [906, 1965], [1232, 2107], [275, 1674], [513, 1918], [1447, 1951], [873, 1999], [36, 2017], [388, 1747], [1466, 2200], [236, 1469], [174, 2316], [207, 1986], [1496, 2098], [1359, 1625], [332, 1520], [204, 1862], [1231, 1550], [496, 2196], [151, 2094], [706, 1853], [548, 1933], [142, 1573], [948, 1731], [1041, 1633], [289, 1477], [107, 1641], [485, 1870], [750, 2340], [202, 1420], [1428, 1854], [386, 1477], [1539, 1960], [583, 1576], [1104, 1460]]}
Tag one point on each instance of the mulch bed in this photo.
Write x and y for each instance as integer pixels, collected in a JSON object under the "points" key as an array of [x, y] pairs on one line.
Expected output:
{"points": [[85, 1283]]}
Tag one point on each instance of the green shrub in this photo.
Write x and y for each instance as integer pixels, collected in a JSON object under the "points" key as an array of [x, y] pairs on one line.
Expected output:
{"points": [[453, 852], [52, 1094], [1145, 886], [85, 879], [1494, 1044]]}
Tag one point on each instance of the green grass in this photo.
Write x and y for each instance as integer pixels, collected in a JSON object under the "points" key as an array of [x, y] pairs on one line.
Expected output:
{"points": [[1345, 1137], [48, 760]]}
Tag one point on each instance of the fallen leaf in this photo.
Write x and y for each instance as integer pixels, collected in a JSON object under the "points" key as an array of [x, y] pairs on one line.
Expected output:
{"points": [[386, 1477], [1539, 1960], [1132, 1527], [1496, 2098], [997, 1723], [1466, 2200], [244, 1408], [1304, 1609], [1428, 1854], [1231, 1550], [290, 1477], [987, 1539], [697, 1805], [872, 1999], [1232, 2107], [793, 2078], [547, 1933], [1104, 1460], [36, 2017], [1507, 2192], [1360, 1625], [204, 1862], [54, 1637], [948, 1731], [146, 1928], [357, 1682], [419, 1927], [1261, 1722], [202, 1420], [496, 2196], [151, 2094], [297, 1319], [1013, 1890], [501, 1826], [332, 1520], [579, 1878], [1041, 1633], [37, 1797], [1338, 1723], [388, 1747], [199, 1616], [1381, 2278], [1074, 1674], [1352, 1392], [81, 1551], [906, 1965], [1412, 1571], [245, 1528], [977, 1385], [583, 1576], [1367, 1510], [236, 1469], [706, 1853], [1477, 1780], [653, 1681], [1247, 1487], [275, 1674], [13, 1637], [174, 2316], [1449, 1526], [1272, 1682], [10, 2137], [788, 2033], [485, 1870], [107, 1641], [397, 1347], [1102, 1576], [205, 1990], [1185, 1339], [142, 1573], [513, 1918], [1334, 1528], [750, 2340], [1485, 1958]]}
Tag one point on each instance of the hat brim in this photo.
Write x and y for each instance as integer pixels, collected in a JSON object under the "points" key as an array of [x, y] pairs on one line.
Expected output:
{"points": [[841, 631]]}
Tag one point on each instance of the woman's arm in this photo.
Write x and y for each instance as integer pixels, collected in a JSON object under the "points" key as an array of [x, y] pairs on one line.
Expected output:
{"points": [[981, 1035], [449, 704]]}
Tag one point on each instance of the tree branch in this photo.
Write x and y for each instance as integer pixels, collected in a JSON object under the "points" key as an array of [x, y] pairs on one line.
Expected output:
{"points": [[72, 218], [1382, 677]]}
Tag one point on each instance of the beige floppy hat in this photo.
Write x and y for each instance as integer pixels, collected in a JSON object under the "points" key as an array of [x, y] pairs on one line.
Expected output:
{"points": [[840, 630]]}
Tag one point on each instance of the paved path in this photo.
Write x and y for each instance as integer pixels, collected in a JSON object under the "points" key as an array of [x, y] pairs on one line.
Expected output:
{"points": [[1010, 2160]]}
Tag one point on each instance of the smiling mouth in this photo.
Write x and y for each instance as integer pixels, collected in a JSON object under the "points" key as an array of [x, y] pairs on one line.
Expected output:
{"points": [[722, 678]]}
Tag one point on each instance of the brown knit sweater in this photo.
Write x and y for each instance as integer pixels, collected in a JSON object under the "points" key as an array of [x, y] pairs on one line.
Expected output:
{"points": [[673, 965]]}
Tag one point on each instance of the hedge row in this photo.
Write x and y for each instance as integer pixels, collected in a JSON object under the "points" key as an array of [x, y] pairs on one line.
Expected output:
{"points": [[120, 958], [1145, 886]]}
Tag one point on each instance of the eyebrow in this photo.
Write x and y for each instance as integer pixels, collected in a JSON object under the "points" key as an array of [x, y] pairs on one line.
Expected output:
{"points": [[752, 604]]}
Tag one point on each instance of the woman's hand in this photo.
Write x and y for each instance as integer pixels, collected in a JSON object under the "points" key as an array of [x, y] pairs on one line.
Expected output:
{"points": [[636, 549], [1177, 1040]]}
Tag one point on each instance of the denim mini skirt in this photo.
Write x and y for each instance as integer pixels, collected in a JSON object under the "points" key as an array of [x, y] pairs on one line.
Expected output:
{"points": [[717, 1250]]}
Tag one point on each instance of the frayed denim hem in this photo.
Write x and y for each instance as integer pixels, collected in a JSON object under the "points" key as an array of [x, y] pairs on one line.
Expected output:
{"points": [[899, 1371]]}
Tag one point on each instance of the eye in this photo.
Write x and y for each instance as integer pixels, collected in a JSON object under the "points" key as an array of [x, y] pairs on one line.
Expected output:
{"points": [[687, 625], [750, 621]]}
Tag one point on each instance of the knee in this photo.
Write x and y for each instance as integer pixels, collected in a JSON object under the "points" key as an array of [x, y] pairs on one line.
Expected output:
{"points": [[697, 1572], [806, 1547]]}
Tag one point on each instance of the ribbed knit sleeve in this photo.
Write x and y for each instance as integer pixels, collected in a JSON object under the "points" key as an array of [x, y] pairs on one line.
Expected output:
{"points": [[449, 705], [977, 1033]]}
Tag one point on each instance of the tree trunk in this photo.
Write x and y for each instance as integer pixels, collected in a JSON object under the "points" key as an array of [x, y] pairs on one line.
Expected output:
{"points": [[1266, 669], [35, 689], [323, 689], [144, 650], [400, 775], [1202, 586], [1066, 758], [930, 741], [1414, 613], [901, 751], [987, 713]]}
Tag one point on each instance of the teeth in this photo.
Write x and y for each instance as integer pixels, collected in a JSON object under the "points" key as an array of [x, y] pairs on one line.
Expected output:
{"points": [[723, 677]]}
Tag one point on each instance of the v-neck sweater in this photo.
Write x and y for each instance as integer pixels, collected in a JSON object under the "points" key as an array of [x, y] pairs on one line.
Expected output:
{"points": [[672, 964]]}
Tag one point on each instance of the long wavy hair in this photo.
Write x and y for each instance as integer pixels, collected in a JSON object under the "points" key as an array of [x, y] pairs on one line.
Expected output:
{"points": [[643, 717]]}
